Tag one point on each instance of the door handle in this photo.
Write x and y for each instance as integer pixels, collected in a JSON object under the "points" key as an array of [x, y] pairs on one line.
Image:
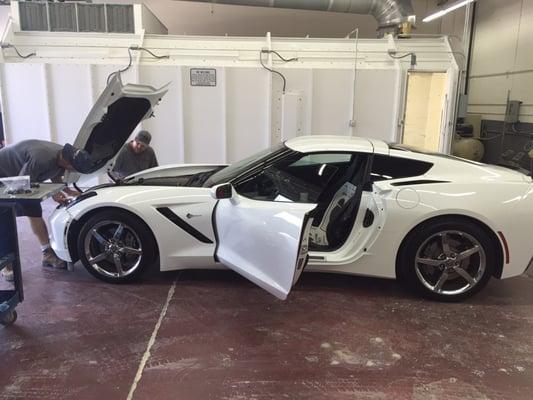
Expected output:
{"points": [[189, 215]]}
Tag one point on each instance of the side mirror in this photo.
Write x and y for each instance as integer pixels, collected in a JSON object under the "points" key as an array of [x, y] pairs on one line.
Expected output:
{"points": [[222, 191]]}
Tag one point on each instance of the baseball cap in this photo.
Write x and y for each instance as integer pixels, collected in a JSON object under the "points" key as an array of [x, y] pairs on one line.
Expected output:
{"points": [[144, 137], [80, 159]]}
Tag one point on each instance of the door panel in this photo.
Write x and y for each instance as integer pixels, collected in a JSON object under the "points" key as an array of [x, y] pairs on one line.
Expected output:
{"points": [[264, 241]]}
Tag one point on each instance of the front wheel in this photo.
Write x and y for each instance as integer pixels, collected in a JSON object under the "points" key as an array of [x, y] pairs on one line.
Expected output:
{"points": [[115, 246], [448, 260]]}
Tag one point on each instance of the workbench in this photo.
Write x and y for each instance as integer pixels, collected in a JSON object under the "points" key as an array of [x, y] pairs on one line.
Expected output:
{"points": [[9, 254]]}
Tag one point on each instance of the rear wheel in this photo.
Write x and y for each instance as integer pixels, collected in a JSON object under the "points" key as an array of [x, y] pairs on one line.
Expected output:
{"points": [[115, 246], [448, 260]]}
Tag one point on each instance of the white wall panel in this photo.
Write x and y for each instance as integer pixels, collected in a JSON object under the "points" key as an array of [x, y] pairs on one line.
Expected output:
{"points": [[502, 60], [332, 102], [522, 88], [489, 90], [167, 125], [205, 120], [291, 115], [69, 90], [26, 102], [247, 116], [495, 36], [524, 59], [300, 81], [376, 110]]}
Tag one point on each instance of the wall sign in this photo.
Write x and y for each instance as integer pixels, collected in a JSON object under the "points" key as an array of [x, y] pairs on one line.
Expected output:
{"points": [[203, 77]]}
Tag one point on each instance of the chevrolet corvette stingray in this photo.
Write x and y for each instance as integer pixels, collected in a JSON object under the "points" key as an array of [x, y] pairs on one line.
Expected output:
{"points": [[443, 225]]}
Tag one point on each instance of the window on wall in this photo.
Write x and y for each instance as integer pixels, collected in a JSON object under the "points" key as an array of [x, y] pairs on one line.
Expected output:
{"points": [[426, 93]]}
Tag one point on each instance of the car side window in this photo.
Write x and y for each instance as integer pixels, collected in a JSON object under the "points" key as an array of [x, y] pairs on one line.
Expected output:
{"points": [[299, 178], [387, 168]]}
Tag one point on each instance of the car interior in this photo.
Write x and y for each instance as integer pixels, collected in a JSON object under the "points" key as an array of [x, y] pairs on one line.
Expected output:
{"points": [[331, 180]]}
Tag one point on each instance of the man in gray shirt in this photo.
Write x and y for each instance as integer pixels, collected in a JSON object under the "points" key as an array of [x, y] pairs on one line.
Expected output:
{"points": [[41, 160], [135, 156]]}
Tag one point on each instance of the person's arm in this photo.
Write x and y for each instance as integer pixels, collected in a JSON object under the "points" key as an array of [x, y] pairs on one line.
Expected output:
{"points": [[30, 168], [118, 166], [57, 179], [59, 197], [68, 191]]}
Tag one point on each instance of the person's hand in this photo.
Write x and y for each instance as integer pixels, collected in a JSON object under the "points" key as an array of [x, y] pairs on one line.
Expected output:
{"points": [[72, 192], [60, 198]]}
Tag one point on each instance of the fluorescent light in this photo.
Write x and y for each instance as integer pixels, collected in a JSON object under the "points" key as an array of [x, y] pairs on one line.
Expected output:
{"points": [[446, 9]]}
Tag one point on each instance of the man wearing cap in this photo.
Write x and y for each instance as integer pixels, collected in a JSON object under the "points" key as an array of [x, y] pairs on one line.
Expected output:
{"points": [[41, 160], [135, 156]]}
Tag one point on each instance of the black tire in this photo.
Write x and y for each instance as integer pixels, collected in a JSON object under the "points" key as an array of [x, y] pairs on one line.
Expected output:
{"points": [[135, 235], [444, 279], [9, 318]]}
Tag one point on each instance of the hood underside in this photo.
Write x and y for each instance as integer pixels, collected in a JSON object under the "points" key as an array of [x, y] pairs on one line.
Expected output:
{"points": [[111, 121]]}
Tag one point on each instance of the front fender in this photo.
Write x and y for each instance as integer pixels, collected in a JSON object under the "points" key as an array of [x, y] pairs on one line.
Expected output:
{"points": [[176, 246]]}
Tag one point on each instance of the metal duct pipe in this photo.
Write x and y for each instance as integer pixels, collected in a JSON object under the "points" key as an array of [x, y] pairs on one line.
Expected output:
{"points": [[390, 14]]}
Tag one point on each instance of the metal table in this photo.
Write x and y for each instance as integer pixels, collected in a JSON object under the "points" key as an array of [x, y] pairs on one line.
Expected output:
{"points": [[9, 254]]}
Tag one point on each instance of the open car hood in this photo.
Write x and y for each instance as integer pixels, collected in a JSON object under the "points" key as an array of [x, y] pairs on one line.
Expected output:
{"points": [[112, 119]]}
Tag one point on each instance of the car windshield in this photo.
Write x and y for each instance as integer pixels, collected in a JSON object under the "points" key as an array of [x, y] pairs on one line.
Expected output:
{"points": [[241, 167]]}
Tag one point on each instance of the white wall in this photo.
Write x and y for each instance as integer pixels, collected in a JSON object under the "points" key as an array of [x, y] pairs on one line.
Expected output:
{"points": [[502, 58], [47, 96], [4, 15], [241, 115]]}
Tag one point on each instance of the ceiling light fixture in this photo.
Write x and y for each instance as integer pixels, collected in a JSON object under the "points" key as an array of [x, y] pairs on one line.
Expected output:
{"points": [[446, 9]]}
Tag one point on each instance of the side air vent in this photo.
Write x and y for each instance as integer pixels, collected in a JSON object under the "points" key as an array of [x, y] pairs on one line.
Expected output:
{"points": [[91, 18], [418, 182], [33, 16], [120, 18], [171, 216], [62, 17], [76, 17]]}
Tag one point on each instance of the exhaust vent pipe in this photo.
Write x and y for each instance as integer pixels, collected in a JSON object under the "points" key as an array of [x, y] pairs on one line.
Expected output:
{"points": [[395, 16]]}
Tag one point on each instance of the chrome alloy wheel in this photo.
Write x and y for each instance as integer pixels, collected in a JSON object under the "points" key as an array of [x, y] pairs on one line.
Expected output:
{"points": [[450, 262], [113, 249]]}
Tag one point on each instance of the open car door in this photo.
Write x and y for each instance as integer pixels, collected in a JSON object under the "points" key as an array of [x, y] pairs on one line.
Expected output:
{"points": [[264, 241]]}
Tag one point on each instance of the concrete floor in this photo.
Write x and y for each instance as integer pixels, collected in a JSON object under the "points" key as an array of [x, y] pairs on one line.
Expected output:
{"points": [[213, 335]]}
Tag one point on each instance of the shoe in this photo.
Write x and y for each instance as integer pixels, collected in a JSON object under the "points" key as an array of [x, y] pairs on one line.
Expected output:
{"points": [[8, 274], [52, 261]]}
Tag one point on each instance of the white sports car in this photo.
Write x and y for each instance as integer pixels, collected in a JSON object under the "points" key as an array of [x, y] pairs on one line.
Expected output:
{"points": [[443, 225]]}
